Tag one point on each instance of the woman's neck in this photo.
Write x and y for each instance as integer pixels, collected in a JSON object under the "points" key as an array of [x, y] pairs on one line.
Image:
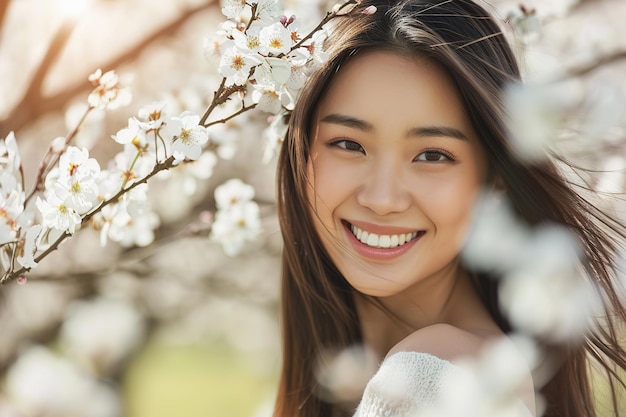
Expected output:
{"points": [[450, 298]]}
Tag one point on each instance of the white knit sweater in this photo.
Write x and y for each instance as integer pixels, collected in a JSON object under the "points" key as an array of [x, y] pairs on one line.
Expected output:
{"points": [[408, 384], [405, 383]]}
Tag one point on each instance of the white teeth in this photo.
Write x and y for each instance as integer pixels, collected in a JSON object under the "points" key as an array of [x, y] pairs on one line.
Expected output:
{"points": [[382, 241]]}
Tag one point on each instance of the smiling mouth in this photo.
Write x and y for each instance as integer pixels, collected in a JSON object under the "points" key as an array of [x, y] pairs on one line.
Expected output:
{"points": [[383, 241]]}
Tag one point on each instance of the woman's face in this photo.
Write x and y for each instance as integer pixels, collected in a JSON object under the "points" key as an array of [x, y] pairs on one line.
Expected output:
{"points": [[395, 168]]}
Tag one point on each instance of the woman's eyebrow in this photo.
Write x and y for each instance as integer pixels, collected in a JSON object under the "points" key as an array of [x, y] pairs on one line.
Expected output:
{"points": [[347, 121], [430, 131], [425, 131]]}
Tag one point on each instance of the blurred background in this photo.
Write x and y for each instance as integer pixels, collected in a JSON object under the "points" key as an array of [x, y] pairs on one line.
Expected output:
{"points": [[178, 327]]}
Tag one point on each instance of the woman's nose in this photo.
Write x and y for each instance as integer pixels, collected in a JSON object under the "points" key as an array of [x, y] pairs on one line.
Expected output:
{"points": [[384, 191]]}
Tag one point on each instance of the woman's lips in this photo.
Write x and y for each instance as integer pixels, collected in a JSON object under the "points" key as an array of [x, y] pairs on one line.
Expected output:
{"points": [[386, 244]]}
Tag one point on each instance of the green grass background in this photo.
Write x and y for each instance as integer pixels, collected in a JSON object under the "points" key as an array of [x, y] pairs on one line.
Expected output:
{"points": [[195, 381]]}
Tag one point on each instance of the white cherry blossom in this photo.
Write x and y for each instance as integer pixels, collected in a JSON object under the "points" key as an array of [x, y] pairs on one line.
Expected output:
{"points": [[187, 135], [75, 162], [315, 47], [78, 193], [100, 334], [233, 192], [108, 92], [275, 40], [131, 163], [233, 8], [133, 134], [11, 207], [274, 135], [57, 215], [268, 10], [272, 72], [223, 138], [26, 258], [267, 99], [44, 383], [236, 225], [249, 41], [9, 154], [152, 115], [236, 64]]}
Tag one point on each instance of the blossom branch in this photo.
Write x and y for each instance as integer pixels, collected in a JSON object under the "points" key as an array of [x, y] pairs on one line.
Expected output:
{"points": [[161, 166]]}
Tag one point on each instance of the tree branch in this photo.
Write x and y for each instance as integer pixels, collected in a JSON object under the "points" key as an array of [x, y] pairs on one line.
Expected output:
{"points": [[27, 111]]}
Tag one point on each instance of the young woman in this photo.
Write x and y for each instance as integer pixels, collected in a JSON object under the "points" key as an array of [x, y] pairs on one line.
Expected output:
{"points": [[389, 145]]}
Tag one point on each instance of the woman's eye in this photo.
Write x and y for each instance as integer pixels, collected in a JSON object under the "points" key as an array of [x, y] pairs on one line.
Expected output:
{"points": [[434, 156], [349, 145]]}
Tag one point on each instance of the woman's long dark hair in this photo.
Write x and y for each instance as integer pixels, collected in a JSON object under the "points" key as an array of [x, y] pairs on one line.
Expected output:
{"points": [[318, 310]]}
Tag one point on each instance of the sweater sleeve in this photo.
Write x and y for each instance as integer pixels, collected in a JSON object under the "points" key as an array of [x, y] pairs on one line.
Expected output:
{"points": [[406, 383]]}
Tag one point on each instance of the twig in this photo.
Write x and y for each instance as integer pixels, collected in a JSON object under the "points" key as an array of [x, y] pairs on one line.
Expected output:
{"points": [[232, 116]]}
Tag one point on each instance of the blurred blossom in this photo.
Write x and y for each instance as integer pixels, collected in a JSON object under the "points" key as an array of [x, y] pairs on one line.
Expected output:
{"points": [[233, 192], [42, 383], [526, 23], [129, 222], [108, 92], [187, 176], [101, 334], [497, 237], [274, 135], [343, 375], [556, 305], [604, 108], [537, 113], [232, 8], [549, 296], [236, 225], [237, 219], [213, 47], [543, 290]]}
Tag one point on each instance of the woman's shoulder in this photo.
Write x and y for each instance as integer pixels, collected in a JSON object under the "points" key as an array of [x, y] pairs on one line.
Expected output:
{"points": [[438, 351], [445, 341]]}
